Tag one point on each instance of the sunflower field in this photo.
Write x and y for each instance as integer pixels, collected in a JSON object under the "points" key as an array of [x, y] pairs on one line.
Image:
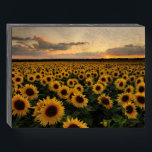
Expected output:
{"points": [[76, 94]]}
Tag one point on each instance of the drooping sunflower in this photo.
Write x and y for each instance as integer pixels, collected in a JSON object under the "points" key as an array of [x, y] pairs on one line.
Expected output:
{"points": [[105, 101], [74, 123], [30, 91], [54, 86], [51, 112], [30, 78], [79, 87], [98, 88], [20, 105], [140, 87], [63, 92], [139, 99], [124, 98], [129, 89], [70, 83], [130, 110], [79, 100], [120, 83]]}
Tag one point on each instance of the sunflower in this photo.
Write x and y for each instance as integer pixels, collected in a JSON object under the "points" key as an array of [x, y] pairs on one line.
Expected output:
{"points": [[79, 87], [79, 100], [98, 88], [48, 79], [30, 91], [105, 101], [88, 75], [54, 86], [63, 92], [31, 78], [120, 83], [139, 99], [115, 74], [43, 82], [109, 78], [103, 79], [74, 123], [124, 98], [89, 82], [18, 90], [80, 76], [38, 76], [20, 105], [130, 110], [125, 76], [70, 83], [140, 87], [132, 78], [51, 112], [129, 89], [139, 80], [18, 79]]}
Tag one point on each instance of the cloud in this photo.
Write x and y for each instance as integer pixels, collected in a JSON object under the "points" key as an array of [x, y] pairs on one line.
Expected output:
{"points": [[43, 44], [126, 50]]}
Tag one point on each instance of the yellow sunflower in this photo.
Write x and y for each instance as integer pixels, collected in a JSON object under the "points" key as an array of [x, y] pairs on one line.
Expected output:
{"points": [[98, 88], [139, 99], [51, 112], [30, 91], [43, 82], [18, 79], [105, 101], [89, 82], [38, 76], [54, 86], [63, 92], [74, 123], [31, 78], [130, 110], [79, 87], [124, 98], [140, 87], [70, 83], [120, 83], [79, 100], [80, 76], [20, 105], [129, 89]]}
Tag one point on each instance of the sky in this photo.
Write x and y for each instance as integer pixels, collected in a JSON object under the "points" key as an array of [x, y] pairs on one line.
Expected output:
{"points": [[78, 42]]}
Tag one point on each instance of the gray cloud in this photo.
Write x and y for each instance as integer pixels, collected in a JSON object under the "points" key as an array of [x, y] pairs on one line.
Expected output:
{"points": [[126, 50], [21, 38]]}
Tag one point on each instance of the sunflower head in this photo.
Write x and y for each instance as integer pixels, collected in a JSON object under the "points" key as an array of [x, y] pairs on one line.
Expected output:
{"points": [[51, 112], [38, 76], [129, 89], [98, 88], [30, 91], [120, 83], [18, 79], [124, 98], [74, 123], [79, 87], [54, 86], [20, 105], [31, 78], [139, 99], [105, 101], [43, 81], [63, 92], [70, 83], [130, 110], [140, 87], [79, 100]]}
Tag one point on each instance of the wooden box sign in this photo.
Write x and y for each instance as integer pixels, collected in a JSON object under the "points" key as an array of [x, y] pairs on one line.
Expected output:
{"points": [[75, 75]]}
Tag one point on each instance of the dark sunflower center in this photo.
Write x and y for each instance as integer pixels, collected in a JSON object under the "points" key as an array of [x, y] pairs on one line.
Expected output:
{"points": [[18, 79], [71, 82], [124, 77], [29, 92], [128, 90], [37, 76], [103, 79], [105, 101], [13, 75], [73, 126], [98, 88], [48, 79], [141, 99], [95, 75], [79, 99], [51, 111], [88, 75], [89, 83], [125, 98], [56, 86], [121, 84], [31, 78], [138, 81], [19, 105], [44, 82], [81, 76], [109, 79], [141, 89], [132, 79], [115, 74], [79, 88], [129, 109], [64, 92]]}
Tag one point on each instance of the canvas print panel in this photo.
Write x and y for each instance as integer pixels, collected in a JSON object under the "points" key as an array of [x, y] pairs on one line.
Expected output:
{"points": [[78, 77]]}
